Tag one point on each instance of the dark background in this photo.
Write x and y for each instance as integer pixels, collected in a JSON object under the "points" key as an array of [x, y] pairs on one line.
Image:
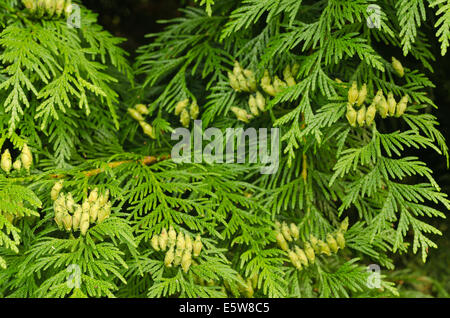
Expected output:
{"points": [[133, 19]]}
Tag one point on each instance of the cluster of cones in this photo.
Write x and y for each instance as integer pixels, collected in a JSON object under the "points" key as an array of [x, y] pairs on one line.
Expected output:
{"points": [[25, 160], [180, 247], [181, 109], [303, 257], [244, 80], [48, 8], [75, 217]]}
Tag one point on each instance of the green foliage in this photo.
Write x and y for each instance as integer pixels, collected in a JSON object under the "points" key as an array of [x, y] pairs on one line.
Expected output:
{"points": [[65, 92]]}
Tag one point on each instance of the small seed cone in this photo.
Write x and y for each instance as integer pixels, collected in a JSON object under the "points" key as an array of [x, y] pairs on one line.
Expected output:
{"points": [[314, 243], [383, 107], [6, 161], [278, 84], [163, 239], [301, 256], [70, 203], [362, 94], [185, 118], [59, 8], [147, 129], [361, 116], [178, 257], [84, 224], [155, 242], [309, 251], [324, 248], [294, 260], [353, 93], [294, 231], [260, 101], [180, 106], [102, 214], [344, 225], [50, 6], [194, 110], [392, 104], [68, 8], [135, 114], [286, 232], [241, 114], [56, 189], [67, 221], [398, 67], [26, 157], [378, 97], [189, 244], [251, 80], [282, 242], [172, 236], [142, 109], [93, 212], [76, 219], [169, 258], [93, 196], [253, 105], [243, 82], [402, 105], [181, 242], [186, 261], [332, 243], [17, 165], [86, 207], [234, 82], [340, 239], [370, 114], [197, 246], [351, 116]]}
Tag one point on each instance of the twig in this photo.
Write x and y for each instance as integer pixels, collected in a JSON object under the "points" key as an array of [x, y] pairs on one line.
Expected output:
{"points": [[149, 160]]}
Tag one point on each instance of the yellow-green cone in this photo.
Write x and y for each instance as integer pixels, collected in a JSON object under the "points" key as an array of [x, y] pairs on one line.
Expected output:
{"points": [[294, 259], [344, 225], [194, 110], [370, 114], [353, 93], [148, 129], [135, 114], [301, 256], [402, 105], [383, 107], [185, 118], [260, 101], [253, 105], [142, 109], [361, 116], [362, 94], [181, 105], [340, 239], [154, 242], [294, 231], [351, 116], [398, 67], [6, 161], [286, 232], [197, 246], [26, 157], [241, 114], [309, 251], [332, 243], [281, 241], [169, 258], [391, 104]]}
